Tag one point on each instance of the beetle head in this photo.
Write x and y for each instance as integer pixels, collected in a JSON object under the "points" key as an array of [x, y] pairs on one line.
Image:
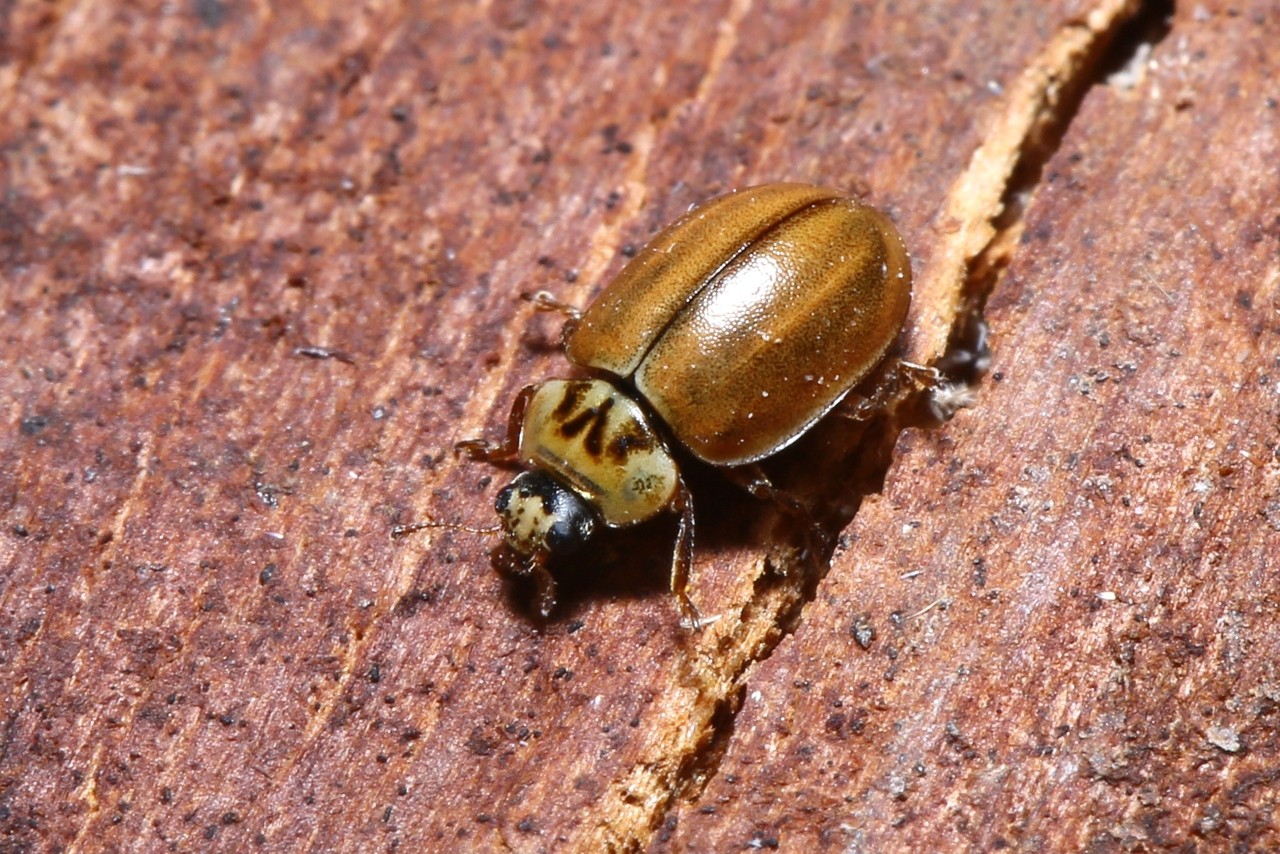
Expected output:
{"points": [[540, 517]]}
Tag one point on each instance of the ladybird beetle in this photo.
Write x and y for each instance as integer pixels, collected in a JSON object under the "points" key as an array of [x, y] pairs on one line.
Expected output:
{"points": [[729, 335]]}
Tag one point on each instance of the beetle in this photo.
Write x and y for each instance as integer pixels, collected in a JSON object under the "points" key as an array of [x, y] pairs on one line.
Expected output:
{"points": [[727, 337]]}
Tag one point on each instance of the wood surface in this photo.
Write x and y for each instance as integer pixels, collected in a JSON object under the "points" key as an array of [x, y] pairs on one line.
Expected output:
{"points": [[260, 267]]}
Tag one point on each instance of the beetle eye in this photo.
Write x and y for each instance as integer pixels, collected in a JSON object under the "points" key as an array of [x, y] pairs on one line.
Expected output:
{"points": [[539, 514], [573, 525]]}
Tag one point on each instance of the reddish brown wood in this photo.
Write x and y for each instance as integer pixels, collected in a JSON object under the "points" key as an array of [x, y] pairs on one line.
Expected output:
{"points": [[208, 638]]}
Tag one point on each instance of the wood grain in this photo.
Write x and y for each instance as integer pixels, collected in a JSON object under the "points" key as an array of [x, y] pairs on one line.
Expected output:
{"points": [[259, 265]]}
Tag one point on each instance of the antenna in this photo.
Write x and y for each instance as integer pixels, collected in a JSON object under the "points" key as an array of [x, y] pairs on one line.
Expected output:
{"points": [[415, 527]]}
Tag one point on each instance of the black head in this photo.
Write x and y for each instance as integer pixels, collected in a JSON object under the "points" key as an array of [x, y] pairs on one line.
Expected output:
{"points": [[539, 515]]}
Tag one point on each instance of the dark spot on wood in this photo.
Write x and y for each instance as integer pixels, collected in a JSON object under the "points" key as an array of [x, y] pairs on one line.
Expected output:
{"points": [[211, 12], [33, 424]]}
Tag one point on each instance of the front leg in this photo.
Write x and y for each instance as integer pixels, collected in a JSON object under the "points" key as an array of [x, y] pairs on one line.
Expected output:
{"points": [[682, 559], [533, 567], [508, 450]]}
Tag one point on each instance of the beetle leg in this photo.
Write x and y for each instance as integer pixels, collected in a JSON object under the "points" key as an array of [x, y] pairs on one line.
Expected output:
{"points": [[546, 301], [866, 408], [682, 559], [945, 393], [754, 481], [902, 377], [922, 376], [545, 600], [534, 567], [508, 450]]}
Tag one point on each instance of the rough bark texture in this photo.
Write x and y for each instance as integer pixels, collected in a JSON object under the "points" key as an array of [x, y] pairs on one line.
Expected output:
{"points": [[259, 267]]}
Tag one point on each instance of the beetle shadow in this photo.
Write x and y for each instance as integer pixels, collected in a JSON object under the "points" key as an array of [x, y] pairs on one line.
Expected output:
{"points": [[635, 563], [625, 564]]}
